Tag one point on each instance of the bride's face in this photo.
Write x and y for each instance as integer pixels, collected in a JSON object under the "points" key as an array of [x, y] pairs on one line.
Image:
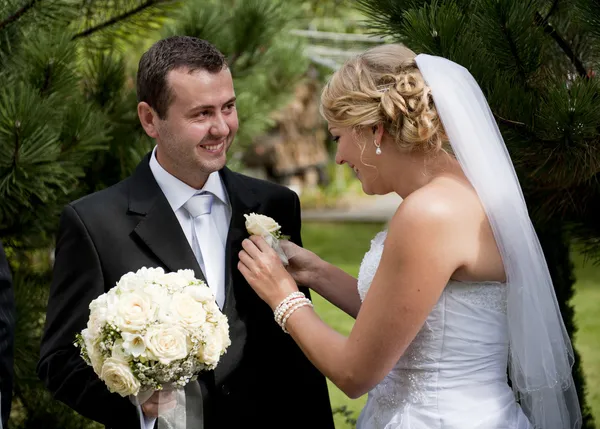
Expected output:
{"points": [[357, 150]]}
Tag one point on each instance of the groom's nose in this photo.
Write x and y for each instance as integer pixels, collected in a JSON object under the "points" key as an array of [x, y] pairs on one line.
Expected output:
{"points": [[219, 126]]}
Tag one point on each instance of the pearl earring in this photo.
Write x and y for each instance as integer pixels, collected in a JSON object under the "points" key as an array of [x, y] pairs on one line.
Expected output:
{"points": [[378, 150]]}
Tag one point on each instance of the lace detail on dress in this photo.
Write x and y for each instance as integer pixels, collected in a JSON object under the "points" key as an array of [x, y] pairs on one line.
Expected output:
{"points": [[369, 264], [490, 295], [403, 386], [456, 331]]}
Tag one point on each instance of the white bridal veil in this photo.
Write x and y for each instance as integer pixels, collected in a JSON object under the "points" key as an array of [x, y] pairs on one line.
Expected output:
{"points": [[540, 356]]}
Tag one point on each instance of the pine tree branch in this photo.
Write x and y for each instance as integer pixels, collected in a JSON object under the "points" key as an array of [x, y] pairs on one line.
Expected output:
{"points": [[513, 49], [562, 43], [551, 11], [116, 19], [513, 124], [19, 13], [17, 144]]}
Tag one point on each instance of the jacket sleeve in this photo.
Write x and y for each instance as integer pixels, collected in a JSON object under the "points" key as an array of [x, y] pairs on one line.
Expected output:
{"points": [[77, 280]]}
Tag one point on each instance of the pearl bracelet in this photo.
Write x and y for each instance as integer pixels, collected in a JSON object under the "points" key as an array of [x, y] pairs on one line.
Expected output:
{"points": [[292, 310], [290, 304], [285, 303], [284, 309]]}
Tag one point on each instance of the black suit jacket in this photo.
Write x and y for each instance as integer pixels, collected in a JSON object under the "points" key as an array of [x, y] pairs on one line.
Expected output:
{"points": [[7, 336], [263, 380]]}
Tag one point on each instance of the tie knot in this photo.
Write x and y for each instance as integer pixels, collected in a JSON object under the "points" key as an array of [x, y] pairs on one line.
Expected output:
{"points": [[200, 204]]}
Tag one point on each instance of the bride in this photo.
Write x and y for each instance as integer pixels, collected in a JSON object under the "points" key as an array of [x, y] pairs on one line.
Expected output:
{"points": [[455, 295]]}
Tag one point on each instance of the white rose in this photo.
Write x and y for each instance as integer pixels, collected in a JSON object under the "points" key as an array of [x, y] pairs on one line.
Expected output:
{"points": [[159, 294], [223, 328], [99, 302], [167, 343], [200, 293], [149, 275], [130, 282], [118, 377], [175, 281], [133, 344], [98, 317], [134, 311], [92, 346], [166, 316], [257, 224], [118, 352], [212, 348], [188, 275], [214, 312], [112, 301], [187, 311]]}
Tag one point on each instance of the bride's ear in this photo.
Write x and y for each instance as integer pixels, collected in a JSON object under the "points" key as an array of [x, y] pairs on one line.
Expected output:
{"points": [[378, 131]]}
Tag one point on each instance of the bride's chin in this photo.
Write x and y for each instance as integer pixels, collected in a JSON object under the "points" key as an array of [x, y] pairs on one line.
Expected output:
{"points": [[367, 190]]}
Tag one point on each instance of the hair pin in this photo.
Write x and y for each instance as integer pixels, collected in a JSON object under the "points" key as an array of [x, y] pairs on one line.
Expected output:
{"points": [[385, 87]]}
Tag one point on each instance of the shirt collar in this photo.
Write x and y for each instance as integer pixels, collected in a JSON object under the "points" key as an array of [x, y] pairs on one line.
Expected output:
{"points": [[178, 192]]}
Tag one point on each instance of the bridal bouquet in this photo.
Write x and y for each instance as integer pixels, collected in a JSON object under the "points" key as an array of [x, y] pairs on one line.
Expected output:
{"points": [[152, 330], [267, 228]]}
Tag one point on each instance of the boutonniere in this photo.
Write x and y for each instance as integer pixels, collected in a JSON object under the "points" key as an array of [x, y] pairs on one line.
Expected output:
{"points": [[269, 230]]}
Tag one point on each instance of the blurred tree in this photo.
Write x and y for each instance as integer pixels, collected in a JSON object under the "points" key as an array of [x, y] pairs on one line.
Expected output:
{"points": [[535, 61], [266, 61], [65, 104], [69, 126]]}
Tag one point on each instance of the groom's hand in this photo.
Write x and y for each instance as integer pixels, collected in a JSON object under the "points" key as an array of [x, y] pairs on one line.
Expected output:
{"points": [[159, 401]]}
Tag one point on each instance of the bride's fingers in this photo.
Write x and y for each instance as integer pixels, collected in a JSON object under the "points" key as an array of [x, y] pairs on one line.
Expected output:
{"points": [[290, 249], [244, 270], [251, 248], [246, 259], [260, 243]]}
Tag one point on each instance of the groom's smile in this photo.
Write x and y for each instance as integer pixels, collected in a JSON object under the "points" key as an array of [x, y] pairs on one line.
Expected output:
{"points": [[215, 148]]}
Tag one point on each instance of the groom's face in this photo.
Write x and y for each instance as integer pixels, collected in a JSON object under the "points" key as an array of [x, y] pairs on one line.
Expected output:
{"points": [[200, 124]]}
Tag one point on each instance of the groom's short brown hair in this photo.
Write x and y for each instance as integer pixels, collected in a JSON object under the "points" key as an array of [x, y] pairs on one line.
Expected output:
{"points": [[169, 54]]}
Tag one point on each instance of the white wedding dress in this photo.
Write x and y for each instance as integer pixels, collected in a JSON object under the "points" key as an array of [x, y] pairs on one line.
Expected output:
{"points": [[453, 375]]}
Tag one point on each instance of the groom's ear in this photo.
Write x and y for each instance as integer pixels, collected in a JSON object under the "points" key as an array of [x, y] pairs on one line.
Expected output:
{"points": [[148, 118]]}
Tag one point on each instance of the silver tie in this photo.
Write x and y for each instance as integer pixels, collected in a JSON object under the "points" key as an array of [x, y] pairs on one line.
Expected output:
{"points": [[206, 243]]}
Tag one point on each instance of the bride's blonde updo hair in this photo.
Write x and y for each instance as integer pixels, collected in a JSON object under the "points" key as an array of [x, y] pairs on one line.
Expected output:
{"points": [[384, 85]]}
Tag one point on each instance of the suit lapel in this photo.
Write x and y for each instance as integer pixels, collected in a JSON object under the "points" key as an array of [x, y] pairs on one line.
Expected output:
{"points": [[243, 201], [159, 228], [161, 232]]}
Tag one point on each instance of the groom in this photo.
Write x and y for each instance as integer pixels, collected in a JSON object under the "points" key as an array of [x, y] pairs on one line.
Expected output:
{"points": [[187, 104]]}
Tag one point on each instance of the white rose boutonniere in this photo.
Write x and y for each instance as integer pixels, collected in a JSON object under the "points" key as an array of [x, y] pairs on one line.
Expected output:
{"points": [[267, 228]]}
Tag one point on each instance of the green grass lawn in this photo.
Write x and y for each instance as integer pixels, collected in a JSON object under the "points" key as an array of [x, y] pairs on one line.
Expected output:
{"points": [[345, 244]]}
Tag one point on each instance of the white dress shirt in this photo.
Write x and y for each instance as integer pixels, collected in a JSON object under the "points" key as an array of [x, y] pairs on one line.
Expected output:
{"points": [[177, 194]]}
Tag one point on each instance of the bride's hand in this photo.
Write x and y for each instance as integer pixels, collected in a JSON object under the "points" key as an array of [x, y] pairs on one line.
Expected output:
{"points": [[261, 267], [303, 264]]}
